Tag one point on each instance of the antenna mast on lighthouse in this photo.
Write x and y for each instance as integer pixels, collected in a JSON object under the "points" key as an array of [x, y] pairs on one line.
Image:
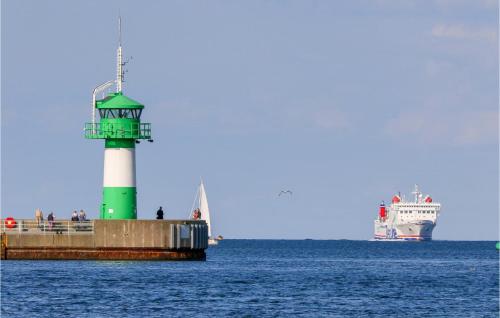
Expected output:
{"points": [[119, 66]]}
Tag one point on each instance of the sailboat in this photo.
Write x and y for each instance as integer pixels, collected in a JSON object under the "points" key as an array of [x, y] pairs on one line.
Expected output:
{"points": [[202, 202]]}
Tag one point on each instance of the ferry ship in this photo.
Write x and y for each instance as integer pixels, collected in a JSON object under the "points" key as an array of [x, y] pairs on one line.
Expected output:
{"points": [[407, 220]]}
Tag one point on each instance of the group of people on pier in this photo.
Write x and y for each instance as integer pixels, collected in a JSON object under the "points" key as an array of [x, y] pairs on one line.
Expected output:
{"points": [[39, 218], [75, 216], [195, 216], [81, 216], [78, 216]]}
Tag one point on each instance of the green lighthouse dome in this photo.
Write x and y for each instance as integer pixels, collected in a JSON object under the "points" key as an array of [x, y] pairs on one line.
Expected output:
{"points": [[118, 100]]}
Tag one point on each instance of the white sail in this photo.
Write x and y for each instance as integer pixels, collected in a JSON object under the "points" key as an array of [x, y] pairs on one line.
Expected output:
{"points": [[203, 205]]}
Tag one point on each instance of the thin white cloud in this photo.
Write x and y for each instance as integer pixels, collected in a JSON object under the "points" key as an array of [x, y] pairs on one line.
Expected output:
{"points": [[264, 117], [330, 119], [478, 128], [462, 32], [488, 4], [465, 128], [407, 4], [444, 4]]}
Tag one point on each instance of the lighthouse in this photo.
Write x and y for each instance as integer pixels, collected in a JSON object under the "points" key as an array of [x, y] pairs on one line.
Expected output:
{"points": [[121, 128]]}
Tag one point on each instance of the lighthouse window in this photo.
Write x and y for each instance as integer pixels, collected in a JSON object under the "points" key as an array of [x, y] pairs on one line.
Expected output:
{"points": [[136, 113], [123, 113], [109, 113], [120, 113]]}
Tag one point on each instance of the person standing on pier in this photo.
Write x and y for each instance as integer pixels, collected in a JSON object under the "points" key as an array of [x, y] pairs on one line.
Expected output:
{"points": [[159, 214], [50, 218], [82, 216], [196, 214], [38, 216]]}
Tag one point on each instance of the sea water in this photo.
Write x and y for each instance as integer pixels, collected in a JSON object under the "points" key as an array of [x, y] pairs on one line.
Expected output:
{"points": [[267, 278]]}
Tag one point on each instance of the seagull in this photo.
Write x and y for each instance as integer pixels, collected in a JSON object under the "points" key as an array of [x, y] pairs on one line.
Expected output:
{"points": [[285, 192]]}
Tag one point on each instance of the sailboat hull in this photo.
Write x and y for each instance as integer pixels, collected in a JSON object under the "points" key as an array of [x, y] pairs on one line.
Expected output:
{"points": [[212, 241]]}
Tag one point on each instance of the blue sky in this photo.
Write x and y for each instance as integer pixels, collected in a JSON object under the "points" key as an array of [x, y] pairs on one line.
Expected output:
{"points": [[342, 102]]}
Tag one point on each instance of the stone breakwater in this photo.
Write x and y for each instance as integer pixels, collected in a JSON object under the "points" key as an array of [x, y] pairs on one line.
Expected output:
{"points": [[107, 240]]}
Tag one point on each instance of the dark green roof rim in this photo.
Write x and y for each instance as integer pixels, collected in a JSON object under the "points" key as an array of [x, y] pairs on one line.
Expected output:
{"points": [[118, 100]]}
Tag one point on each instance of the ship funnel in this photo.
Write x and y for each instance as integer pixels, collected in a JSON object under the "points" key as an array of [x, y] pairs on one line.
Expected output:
{"points": [[382, 213]]}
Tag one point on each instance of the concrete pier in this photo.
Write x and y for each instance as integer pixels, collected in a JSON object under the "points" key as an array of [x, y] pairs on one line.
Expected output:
{"points": [[106, 240]]}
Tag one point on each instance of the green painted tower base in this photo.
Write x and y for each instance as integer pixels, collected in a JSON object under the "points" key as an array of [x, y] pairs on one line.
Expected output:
{"points": [[119, 203]]}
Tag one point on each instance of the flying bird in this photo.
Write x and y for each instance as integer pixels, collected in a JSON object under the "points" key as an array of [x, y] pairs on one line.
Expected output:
{"points": [[285, 192]]}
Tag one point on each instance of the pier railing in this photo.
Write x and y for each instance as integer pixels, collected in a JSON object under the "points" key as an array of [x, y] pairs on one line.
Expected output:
{"points": [[29, 226]]}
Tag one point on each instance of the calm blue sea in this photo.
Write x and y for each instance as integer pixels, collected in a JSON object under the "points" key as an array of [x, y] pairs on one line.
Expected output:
{"points": [[267, 278]]}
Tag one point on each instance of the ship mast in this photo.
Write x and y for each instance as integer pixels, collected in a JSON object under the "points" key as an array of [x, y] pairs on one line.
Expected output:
{"points": [[418, 194]]}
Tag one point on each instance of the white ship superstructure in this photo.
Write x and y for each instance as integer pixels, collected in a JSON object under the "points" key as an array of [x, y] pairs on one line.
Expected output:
{"points": [[407, 220]]}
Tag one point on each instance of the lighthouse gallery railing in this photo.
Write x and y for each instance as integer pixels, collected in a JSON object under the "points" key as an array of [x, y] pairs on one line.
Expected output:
{"points": [[118, 130]]}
